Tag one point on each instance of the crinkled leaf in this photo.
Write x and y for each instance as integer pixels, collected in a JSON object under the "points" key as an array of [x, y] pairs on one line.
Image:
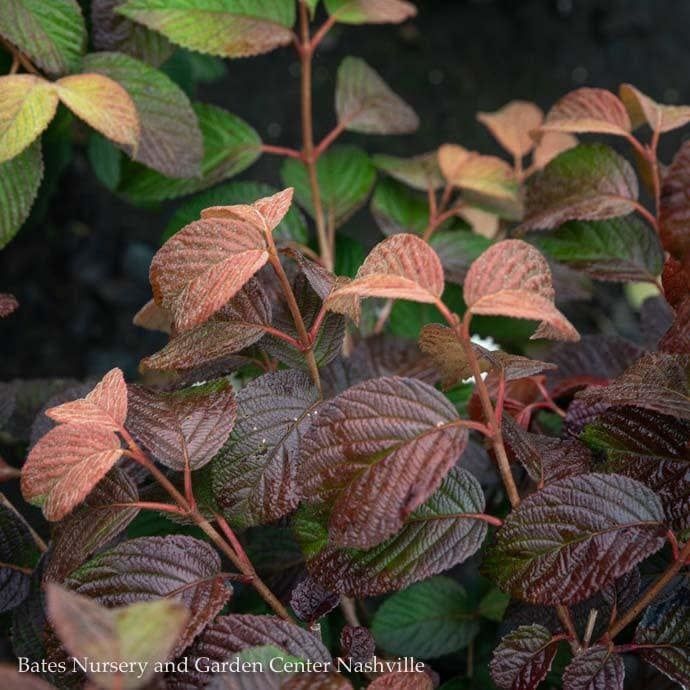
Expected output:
{"points": [[145, 632], [311, 601], [588, 110], [357, 643], [657, 381], [370, 11], [235, 326], [596, 668], [665, 626], [230, 146], [391, 438], [401, 267], [66, 464], [619, 249], [153, 318], [105, 406], [675, 205], [365, 103], [419, 172], [52, 33], [427, 620], [486, 180], [574, 537], [18, 553], [439, 534], [229, 28], [346, 176], [203, 266], [101, 517], [186, 427], [170, 139], [112, 31], [255, 474], [511, 278], [20, 179], [27, 105], [268, 211], [587, 182], [677, 337], [8, 304], [292, 227], [402, 680], [511, 126], [642, 109], [523, 658], [175, 567]]}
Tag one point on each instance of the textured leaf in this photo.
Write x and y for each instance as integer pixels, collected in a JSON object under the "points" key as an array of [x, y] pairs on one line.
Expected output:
{"points": [[511, 126], [665, 626], [596, 668], [145, 632], [310, 601], [642, 109], [105, 406], [175, 567], [104, 105], [391, 436], [255, 474], [588, 182], [11, 678], [402, 680], [419, 172], [101, 517], [523, 658], [66, 464], [170, 139], [27, 105], [17, 548], [112, 31], [203, 266], [186, 427], [657, 381], [588, 110], [457, 249], [426, 620], [370, 11], [618, 249], [229, 28], [365, 103], [675, 205], [230, 146], [511, 278], [153, 318], [677, 338], [292, 227], [238, 324], [488, 180], [8, 304], [401, 267], [317, 681], [357, 643], [651, 448], [552, 144], [346, 176], [52, 33], [574, 537], [20, 179], [439, 534]]}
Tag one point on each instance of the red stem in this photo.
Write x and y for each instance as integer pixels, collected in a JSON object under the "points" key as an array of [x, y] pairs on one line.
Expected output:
{"points": [[281, 151], [232, 538], [321, 32]]}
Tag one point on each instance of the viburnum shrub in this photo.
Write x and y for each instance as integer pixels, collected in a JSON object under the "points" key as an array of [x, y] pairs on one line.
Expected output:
{"points": [[292, 478]]}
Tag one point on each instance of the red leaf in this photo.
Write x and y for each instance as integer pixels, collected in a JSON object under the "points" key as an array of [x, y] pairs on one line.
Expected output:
{"points": [[377, 452], [12, 679], [66, 464], [8, 304], [552, 144], [153, 318], [674, 214], [641, 108], [402, 680], [596, 668], [512, 278], [105, 406], [204, 265], [511, 126]]}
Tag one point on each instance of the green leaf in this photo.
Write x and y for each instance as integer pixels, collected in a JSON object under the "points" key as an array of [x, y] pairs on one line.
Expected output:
{"points": [[230, 146], [293, 226], [105, 159], [370, 11], [396, 208], [427, 620], [229, 28], [170, 140], [20, 179], [587, 182], [349, 256], [457, 249], [433, 538], [619, 249], [346, 176], [419, 172], [493, 605], [52, 33]]}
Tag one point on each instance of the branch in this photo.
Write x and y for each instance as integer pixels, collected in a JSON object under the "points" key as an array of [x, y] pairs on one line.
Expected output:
{"points": [[281, 151]]}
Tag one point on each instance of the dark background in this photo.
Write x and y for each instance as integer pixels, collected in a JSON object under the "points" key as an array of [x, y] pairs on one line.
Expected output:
{"points": [[79, 267]]}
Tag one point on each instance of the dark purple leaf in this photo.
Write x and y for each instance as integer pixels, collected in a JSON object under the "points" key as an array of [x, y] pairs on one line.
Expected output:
{"points": [[18, 554], [357, 643], [310, 601], [596, 668]]}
